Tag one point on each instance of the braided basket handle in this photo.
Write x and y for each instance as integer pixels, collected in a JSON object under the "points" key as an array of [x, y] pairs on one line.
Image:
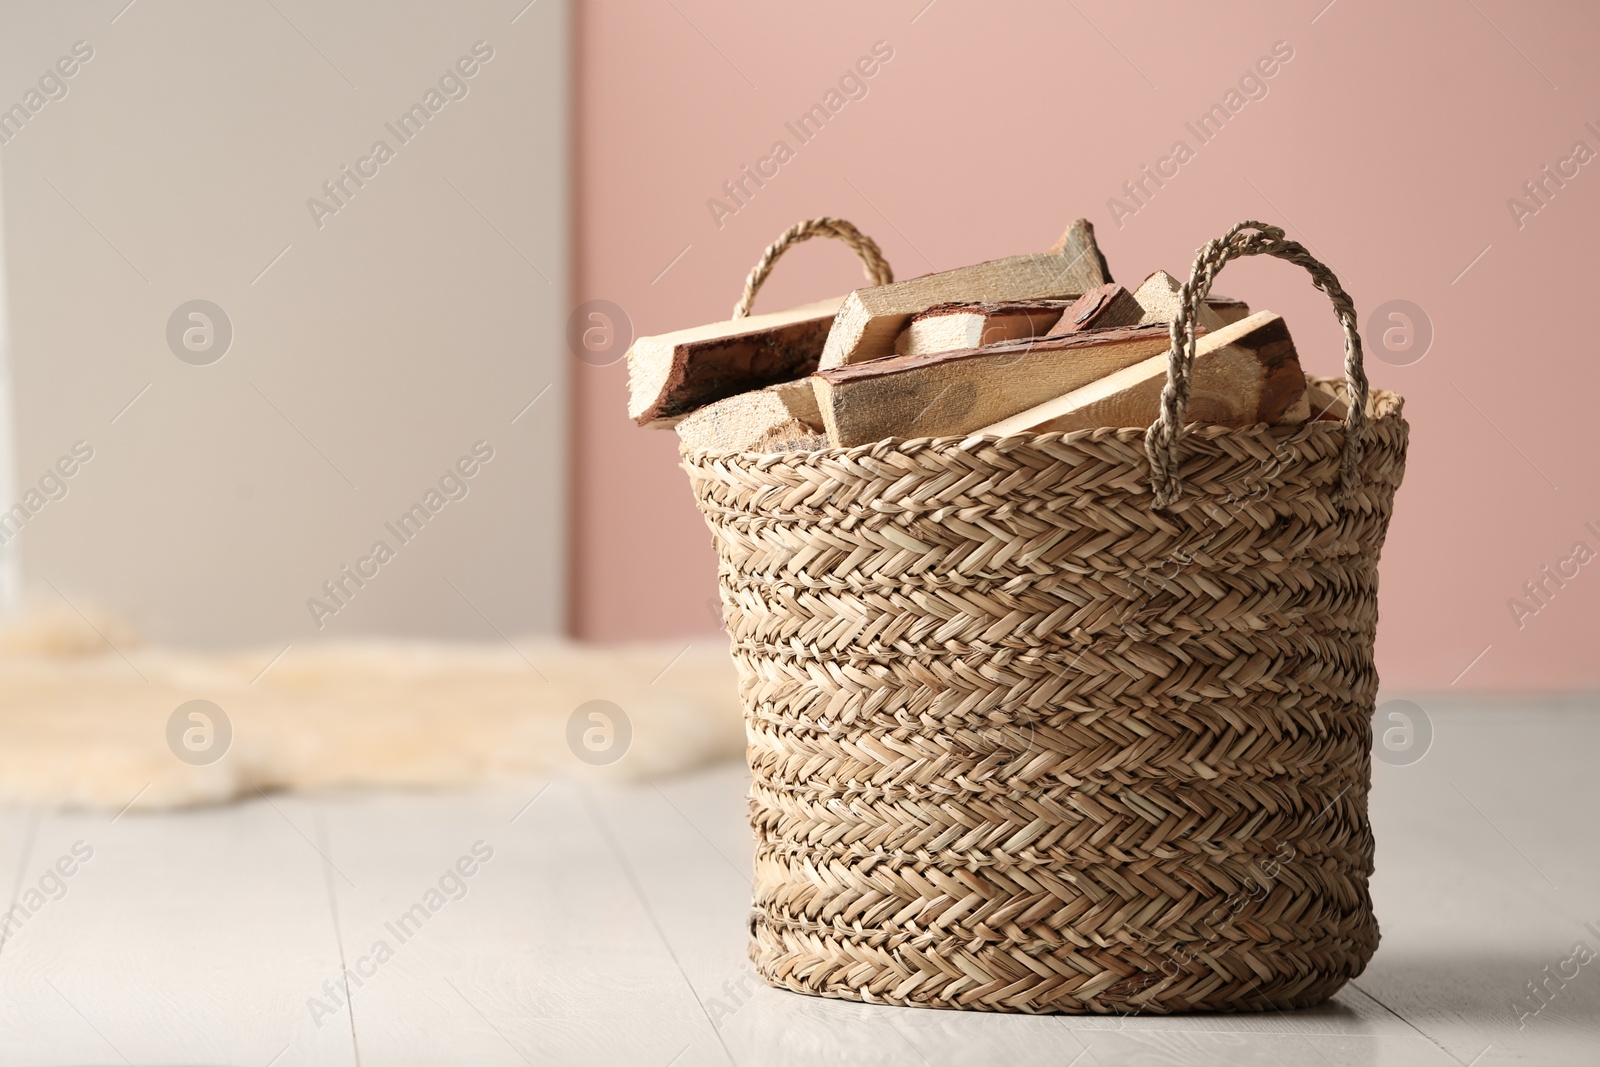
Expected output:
{"points": [[1161, 440], [872, 261]]}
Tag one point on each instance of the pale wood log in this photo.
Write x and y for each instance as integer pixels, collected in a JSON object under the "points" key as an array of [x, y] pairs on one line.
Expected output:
{"points": [[871, 318], [672, 374], [1160, 295], [1245, 373], [954, 393], [791, 439], [953, 327], [754, 421]]}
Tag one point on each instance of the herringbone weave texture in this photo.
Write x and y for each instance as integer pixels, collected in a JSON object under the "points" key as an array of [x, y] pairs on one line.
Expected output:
{"points": [[1022, 742]]}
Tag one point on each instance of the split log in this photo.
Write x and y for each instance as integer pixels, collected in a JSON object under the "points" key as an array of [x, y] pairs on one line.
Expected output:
{"points": [[672, 374], [871, 318], [1323, 404], [954, 393], [953, 327], [1245, 373], [1228, 310], [1101, 308], [757, 421], [1160, 295]]}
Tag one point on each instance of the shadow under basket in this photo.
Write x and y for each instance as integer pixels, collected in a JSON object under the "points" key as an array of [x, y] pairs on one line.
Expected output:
{"points": [[1028, 735]]}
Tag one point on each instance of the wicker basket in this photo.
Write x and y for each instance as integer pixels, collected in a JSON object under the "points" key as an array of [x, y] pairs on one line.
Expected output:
{"points": [[1075, 723]]}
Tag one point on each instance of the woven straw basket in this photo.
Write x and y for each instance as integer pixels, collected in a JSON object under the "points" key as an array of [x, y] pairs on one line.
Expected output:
{"points": [[1064, 722]]}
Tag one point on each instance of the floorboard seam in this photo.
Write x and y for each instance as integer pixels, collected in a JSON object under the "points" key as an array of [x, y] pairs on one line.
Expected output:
{"points": [[638, 891], [319, 826], [1424, 1034]]}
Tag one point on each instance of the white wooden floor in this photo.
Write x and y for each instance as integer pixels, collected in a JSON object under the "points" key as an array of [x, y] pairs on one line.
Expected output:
{"points": [[607, 927]]}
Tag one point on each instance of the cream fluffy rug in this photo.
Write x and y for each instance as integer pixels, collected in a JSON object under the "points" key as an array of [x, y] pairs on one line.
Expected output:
{"points": [[86, 719]]}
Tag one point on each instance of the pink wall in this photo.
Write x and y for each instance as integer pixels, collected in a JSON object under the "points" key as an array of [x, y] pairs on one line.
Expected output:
{"points": [[1390, 143]]}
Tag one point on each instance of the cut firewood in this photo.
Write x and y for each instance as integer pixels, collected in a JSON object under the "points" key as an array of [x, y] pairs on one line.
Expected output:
{"points": [[1160, 297], [779, 442], [1297, 412], [754, 421], [952, 327], [954, 393], [1228, 309], [1324, 404], [1246, 372], [1101, 308], [871, 318], [672, 374]]}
